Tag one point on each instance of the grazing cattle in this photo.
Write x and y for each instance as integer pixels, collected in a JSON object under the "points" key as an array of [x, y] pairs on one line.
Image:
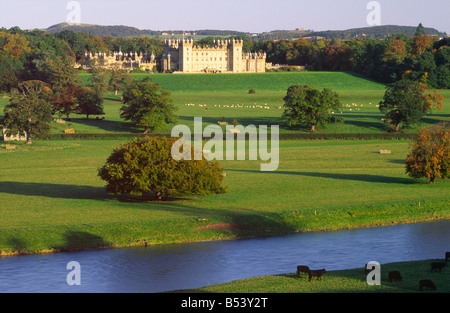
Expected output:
{"points": [[447, 256], [437, 266], [316, 273], [302, 269], [394, 276], [426, 284]]}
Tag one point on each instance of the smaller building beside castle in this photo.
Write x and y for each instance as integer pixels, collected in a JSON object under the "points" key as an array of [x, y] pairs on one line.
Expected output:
{"points": [[120, 60], [226, 56]]}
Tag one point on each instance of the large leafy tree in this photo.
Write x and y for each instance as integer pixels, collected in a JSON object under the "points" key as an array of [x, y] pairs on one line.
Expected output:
{"points": [[405, 102], [90, 103], [66, 100], [146, 166], [309, 107], [99, 80], [119, 80], [29, 111], [147, 105], [430, 155]]}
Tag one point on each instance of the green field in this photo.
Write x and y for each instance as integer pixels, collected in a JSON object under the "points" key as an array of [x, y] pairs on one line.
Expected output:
{"points": [[51, 198], [230, 91], [341, 281]]}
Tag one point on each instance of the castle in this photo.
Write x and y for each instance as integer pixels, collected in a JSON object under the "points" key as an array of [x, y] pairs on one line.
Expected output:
{"points": [[182, 55], [120, 60]]}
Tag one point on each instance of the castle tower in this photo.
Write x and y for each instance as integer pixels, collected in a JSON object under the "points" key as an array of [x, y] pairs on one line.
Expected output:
{"points": [[185, 56], [235, 56]]}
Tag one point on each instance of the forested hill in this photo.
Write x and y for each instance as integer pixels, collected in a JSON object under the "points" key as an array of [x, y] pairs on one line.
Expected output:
{"points": [[376, 32], [127, 31]]}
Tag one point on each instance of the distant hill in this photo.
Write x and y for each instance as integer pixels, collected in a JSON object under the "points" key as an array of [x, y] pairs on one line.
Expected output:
{"points": [[127, 31], [99, 30], [375, 32]]}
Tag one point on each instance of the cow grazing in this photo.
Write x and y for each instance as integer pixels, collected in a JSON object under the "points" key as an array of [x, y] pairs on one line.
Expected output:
{"points": [[394, 276], [437, 266], [426, 284], [302, 269], [316, 273]]}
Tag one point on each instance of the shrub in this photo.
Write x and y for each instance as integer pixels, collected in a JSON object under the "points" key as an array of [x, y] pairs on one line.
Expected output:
{"points": [[145, 165], [430, 155]]}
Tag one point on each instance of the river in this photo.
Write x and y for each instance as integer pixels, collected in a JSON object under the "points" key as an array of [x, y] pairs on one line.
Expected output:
{"points": [[181, 266]]}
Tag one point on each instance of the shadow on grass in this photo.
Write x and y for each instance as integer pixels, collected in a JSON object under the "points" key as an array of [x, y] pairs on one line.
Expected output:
{"points": [[239, 222], [80, 240], [107, 125], [54, 190], [356, 177], [72, 241]]}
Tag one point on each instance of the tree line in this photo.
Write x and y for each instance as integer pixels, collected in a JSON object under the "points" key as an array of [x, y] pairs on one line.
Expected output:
{"points": [[384, 60]]}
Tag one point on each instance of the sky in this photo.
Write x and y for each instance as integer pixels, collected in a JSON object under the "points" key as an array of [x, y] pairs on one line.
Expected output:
{"points": [[254, 16]]}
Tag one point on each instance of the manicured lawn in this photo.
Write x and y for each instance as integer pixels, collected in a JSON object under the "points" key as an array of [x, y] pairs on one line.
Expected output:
{"points": [[51, 197], [226, 98]]}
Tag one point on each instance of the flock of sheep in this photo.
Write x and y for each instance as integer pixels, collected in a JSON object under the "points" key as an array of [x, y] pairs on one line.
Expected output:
{"points": [[255, 106], [350, 107]]}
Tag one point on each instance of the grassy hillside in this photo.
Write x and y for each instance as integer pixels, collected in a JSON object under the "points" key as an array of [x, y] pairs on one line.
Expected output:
{"points": [[342, 281], [226, 97]]}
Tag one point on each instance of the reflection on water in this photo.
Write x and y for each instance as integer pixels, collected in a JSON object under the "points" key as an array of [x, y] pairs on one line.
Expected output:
{"points": [[179, 266]]}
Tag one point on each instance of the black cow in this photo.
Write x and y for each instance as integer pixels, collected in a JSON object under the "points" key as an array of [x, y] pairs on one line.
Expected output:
{"points": [[302, 269], [426, 284], [394, 276]]}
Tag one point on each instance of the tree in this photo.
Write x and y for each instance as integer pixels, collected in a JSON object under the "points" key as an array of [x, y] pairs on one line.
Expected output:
{"points": [[29, 112], [405, 102], [146, 105], [146, 165], [99, 80], [310, 107], [119, 79], [66, 100], [90, 103], [430, 155], [57, 71]]}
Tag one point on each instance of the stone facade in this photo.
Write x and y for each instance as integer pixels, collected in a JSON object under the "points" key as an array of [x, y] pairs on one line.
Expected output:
{"points": [[226, 56], [120, 60]]}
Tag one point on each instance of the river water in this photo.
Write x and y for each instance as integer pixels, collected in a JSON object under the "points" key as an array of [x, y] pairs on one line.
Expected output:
{"points": [[180, 266]]}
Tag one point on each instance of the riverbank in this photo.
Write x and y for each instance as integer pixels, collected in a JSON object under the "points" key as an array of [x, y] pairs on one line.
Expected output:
{"points": [[341, 281], [90, 237]]}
